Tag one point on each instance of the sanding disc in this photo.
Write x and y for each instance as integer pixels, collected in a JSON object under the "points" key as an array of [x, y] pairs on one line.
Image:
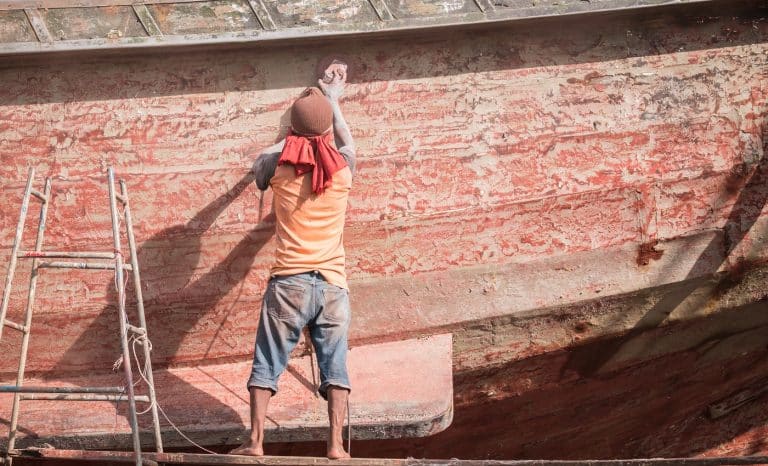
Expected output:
{"points": [[328, 65]]}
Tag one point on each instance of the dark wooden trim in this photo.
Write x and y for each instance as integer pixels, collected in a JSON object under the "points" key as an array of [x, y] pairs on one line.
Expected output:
{"points": [[227, 460]]}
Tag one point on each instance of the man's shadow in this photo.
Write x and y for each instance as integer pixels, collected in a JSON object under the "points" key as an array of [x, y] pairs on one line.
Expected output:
{"points": [[170, 258]]}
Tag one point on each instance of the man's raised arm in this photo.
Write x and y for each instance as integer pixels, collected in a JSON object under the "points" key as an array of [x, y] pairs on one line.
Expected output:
{"points": [[343, 137]]}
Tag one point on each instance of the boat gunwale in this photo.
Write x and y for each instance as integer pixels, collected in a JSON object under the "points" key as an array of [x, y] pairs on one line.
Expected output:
{"points": [[488, 17]]}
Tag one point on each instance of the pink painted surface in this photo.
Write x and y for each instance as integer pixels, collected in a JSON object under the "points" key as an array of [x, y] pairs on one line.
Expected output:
{"points": [[557, 197], [407, 385]]}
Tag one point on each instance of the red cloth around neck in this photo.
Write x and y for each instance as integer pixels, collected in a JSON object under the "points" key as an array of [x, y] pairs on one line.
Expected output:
{"points": [[313, 153]]}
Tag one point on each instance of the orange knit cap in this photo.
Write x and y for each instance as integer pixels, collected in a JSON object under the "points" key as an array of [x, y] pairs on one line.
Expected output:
{"points": [[311, 114]]}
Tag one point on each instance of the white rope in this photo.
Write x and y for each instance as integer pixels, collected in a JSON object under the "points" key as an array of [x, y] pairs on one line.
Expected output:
{"points": [[144, 340], [142, 372], [182, 433]]}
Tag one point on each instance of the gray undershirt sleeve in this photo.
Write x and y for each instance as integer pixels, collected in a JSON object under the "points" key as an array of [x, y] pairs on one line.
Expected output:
{"points": [[349, 155], [264, 169]]}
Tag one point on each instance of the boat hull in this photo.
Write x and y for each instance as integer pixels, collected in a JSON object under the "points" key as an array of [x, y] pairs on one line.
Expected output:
{"points": [[580, 202]]}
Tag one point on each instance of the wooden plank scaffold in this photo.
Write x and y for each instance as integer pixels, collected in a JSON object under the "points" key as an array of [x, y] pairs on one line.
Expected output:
{"points": [[113, 260], [235, 460]]}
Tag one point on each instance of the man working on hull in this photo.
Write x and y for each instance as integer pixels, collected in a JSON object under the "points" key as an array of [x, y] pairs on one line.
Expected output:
{"points": [[311, 180]]}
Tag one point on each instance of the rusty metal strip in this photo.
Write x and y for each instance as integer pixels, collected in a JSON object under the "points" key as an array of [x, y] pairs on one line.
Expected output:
{"points": [[150, 25], [15, 248], [80, 397], [260, 10], [123, 317], [80, 265], [141, 330], [137, 330], [35, 389], [489, 5], [15, 326], [482, 4], [65, 255], [25, 328], [38, 25], [39, 195], [382, 10]]}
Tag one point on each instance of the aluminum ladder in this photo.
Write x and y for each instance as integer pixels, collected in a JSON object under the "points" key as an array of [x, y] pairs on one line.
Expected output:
{"points": [[104, 261]]}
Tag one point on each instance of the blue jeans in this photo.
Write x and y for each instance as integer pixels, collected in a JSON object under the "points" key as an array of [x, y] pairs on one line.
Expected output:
{"points": [[290, 303]]}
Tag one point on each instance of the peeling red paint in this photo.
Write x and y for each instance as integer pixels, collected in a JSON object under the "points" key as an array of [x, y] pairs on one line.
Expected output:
{"points": [[647, 252]]}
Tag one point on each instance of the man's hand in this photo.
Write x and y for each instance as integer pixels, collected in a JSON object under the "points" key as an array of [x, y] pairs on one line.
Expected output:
{"points": [[332, 84], [334, 81]]}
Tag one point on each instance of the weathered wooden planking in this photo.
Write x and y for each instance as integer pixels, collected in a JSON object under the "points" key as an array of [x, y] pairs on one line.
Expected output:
{"points": [[237, 21], [318, 13], [215, 460], [69, 329], [115, 22], [15, 27], [514, 153], [210, 17]]}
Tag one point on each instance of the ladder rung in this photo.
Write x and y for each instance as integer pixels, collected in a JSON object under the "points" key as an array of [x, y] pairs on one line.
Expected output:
{"points": [[39, 195], [14, 325], [137, 330], [82, 397], [33, 389], [65, 255], [121, 198], [81, 265]]}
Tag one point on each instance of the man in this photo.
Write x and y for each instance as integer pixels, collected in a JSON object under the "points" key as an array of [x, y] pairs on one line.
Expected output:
{"points": [[310, 180]]}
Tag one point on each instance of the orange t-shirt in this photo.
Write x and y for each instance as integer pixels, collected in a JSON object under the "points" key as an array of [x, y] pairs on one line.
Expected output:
{"points": [[310, 227]]}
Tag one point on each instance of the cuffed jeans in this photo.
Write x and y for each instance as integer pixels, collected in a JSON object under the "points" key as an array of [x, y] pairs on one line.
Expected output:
{"points": [[290, 303]]}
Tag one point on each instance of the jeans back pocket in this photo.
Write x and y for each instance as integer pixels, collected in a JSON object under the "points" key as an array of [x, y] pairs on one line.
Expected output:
{"points": [[286, 301], [336, 307]]}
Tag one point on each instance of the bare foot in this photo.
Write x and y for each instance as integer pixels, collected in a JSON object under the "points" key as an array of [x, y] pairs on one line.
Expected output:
{"points": [[337, 453], [249, 448]]}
